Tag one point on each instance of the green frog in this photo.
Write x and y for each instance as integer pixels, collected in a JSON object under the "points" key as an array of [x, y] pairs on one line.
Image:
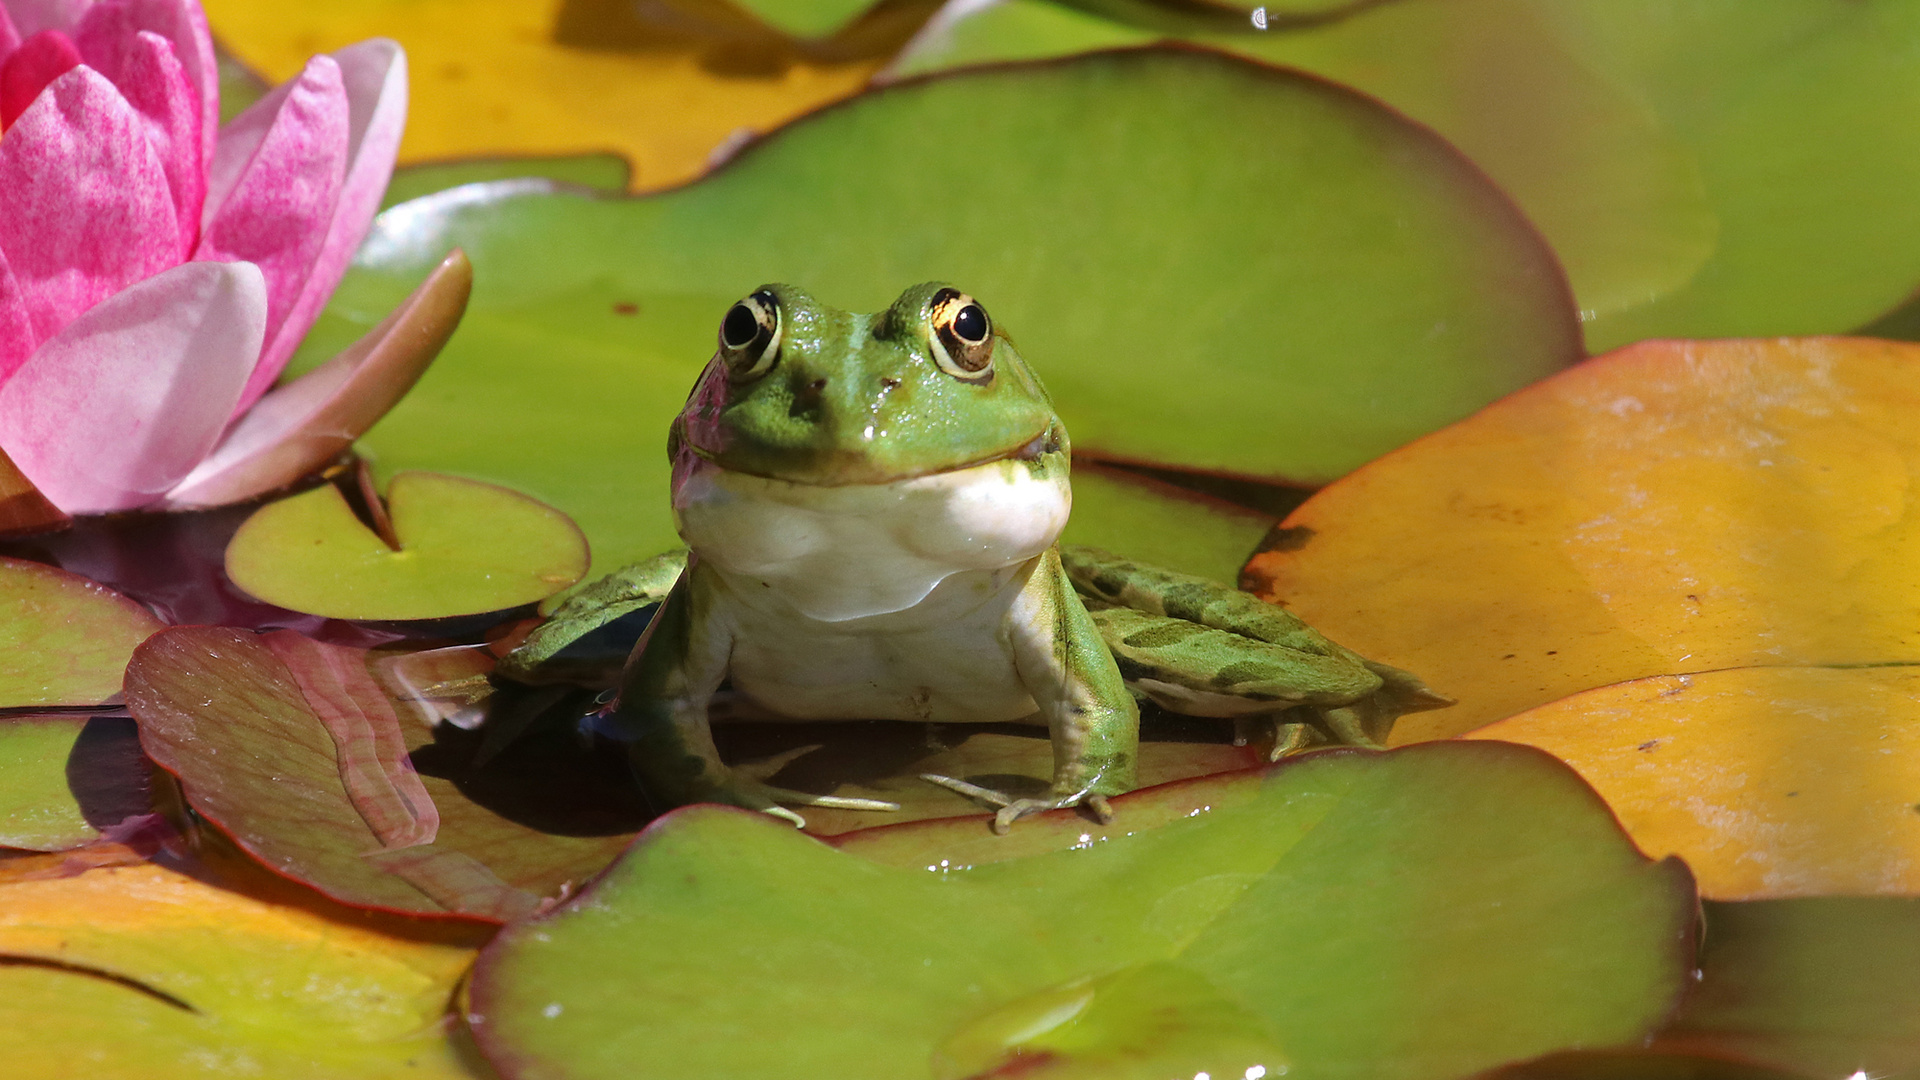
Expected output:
{"points": [[872, 505]]}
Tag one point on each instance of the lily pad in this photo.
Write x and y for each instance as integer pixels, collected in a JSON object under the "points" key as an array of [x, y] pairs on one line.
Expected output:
{"points": [[313, 765], [1824, 986], [1307, 311], [145, 972], [1770, 782], [493, 77], [1678, 156], [1155, 522], [65, 778], [66, 640], [602, 172], [1671, 508], [464, 547], [1233, 942]]}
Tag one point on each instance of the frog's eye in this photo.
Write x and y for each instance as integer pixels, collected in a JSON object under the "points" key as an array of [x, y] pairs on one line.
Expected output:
{"points": [[962, 336], [750, 336]]}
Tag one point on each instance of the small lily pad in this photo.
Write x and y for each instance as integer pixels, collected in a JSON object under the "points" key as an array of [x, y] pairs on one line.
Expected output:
{"points": [[64, 777], [65, 640], [1419, 914], [464, 547]]}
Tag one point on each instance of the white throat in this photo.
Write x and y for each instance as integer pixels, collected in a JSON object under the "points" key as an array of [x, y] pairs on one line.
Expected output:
{"points": [[839, 553]]}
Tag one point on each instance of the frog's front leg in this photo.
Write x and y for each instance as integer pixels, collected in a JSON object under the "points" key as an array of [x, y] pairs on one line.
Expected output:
{"points": [[665, 692], [1092, 719]]}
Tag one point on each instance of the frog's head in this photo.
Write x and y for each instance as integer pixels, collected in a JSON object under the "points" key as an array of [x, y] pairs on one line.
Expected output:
{"points": [[803, 392]]}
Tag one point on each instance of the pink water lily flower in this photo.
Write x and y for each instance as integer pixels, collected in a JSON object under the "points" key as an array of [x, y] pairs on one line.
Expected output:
{"points": [[157, 270]]}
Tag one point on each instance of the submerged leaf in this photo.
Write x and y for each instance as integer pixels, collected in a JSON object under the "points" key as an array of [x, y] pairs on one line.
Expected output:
{"points": [[296, 751], [1825, 986], [465, 548], [1517, 921], [1290, 313], [66, 639]]}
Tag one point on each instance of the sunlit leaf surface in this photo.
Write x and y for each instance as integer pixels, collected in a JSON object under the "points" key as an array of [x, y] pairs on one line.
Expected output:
{"points": [[1518, 921], [1677, 155], [1672, 507], [65, 640], [1641, 525], [464, 547], [142, 972], [557, 77], [1289, 313], [1824, 986], [1769, 782]]}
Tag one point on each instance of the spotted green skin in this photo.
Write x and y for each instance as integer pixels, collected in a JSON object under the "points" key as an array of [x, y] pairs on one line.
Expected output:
{"points": [[855, 400], [858, 400]]}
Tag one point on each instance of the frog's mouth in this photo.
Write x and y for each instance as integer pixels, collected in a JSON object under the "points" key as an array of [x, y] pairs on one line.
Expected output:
{"points": [[835, 467]]}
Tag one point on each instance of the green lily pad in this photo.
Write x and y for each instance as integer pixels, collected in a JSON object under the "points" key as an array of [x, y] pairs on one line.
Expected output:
{"points": [[315, 761], [1824, 985], [1679, 157], [1235, 269], [464, 547], [1422, 913], [1161, 524], [603, 172], [65, 640], [37, 812]]}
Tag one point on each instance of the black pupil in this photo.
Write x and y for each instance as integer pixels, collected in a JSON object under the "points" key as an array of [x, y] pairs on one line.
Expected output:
{"points": [[740, 327], [970, 324]]}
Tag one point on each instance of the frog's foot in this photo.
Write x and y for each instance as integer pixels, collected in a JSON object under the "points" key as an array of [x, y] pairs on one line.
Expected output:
{"points": [[773, 801], [1009, 809]]}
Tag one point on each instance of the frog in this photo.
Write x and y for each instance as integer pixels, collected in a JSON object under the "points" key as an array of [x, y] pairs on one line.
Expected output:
{"points": [[872, 505]]}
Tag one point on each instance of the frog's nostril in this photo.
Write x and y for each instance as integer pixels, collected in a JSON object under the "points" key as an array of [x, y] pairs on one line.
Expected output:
{"points": [[816, 386]]}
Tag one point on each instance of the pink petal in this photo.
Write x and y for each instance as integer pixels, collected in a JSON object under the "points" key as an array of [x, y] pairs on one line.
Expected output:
{"points": [[85, 209], [184, 25], [375, 75], [16, 332], [299, 427], [152, 80], [38, 61], [32, 16], [130, 396], [9, 37], [274, 208]]}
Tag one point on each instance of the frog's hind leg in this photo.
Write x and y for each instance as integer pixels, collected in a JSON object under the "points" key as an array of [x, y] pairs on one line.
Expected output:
{"points": [[758, 773]]}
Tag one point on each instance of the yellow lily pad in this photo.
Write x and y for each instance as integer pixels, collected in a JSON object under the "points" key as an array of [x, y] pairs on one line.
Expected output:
{"points": [[1671, 507], [493, 77], [143, 972], [1769, 782]]}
